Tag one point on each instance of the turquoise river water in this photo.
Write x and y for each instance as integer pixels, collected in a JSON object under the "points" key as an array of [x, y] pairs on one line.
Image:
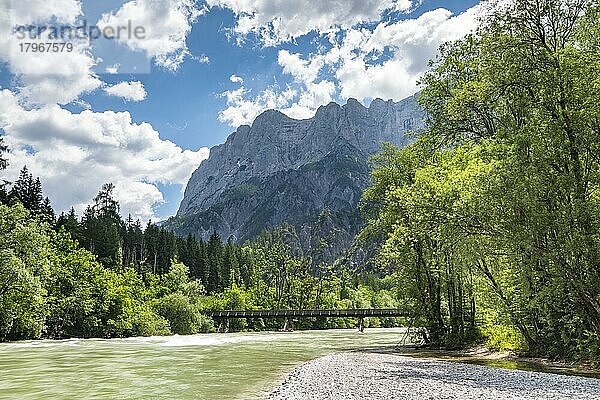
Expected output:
{"points": [[209, 366]]}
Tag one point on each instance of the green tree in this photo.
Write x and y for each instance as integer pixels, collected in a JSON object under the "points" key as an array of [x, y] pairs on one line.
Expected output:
{"points": [[24, 264], [101, 227], [184, 317], [3, 165], [70, 223], [503, 183], [28, 191], [214, 253], [416, 204], [3, 149]]}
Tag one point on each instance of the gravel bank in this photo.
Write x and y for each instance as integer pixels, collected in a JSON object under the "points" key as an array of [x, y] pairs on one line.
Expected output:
{"points": [[388, 376]]}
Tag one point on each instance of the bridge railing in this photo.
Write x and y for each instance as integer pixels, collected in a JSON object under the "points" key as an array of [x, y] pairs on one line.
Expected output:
{"points": [[364, 312]]}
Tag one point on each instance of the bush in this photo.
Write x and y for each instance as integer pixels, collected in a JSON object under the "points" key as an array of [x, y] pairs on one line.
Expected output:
{"points": [[146, 322], [207, 325], [504, 338], [183, 316]]}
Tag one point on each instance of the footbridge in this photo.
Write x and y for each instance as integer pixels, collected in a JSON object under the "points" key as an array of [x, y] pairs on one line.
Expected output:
{"points": [[223, 316]]}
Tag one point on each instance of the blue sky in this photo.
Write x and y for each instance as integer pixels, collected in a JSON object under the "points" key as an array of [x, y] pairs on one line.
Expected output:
{"points": [[206, 68]]}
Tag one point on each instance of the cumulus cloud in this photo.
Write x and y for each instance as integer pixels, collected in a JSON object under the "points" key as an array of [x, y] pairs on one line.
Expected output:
{"points": [[130, 91], [385, 61], [166, 23], [242, 108], [315, 95], [31, 11], [302, 70], [46, 77], [76, 153], [276, 21], [242, 111], [113, 69], [411, 43]]}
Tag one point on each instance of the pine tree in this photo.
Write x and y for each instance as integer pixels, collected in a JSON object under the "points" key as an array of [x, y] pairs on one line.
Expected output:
{"points": [[203, 262], [36, 196], [160, 249], [20, 188], [70, 223], [47, 211], [132, 238], [229, 266], [101, 223], [27, 191], [3, 149], [3, 165], [4, 197], [214, 260], [150, 247], [139, 247], [105, 206]]}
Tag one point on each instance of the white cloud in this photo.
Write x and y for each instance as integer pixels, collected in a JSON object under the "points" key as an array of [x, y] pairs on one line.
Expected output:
{"points": [[302, 70], [242, 111], [242, 108], [131, 91], [75, 154], [48, 78], [276, 21], [384, 62], [315, 95], [83, 104], [113, 69], [45, 77], [166, 24], [202, 59], [31, 11], [297, 101], [138, 199], [405, 5], [412, 43]]}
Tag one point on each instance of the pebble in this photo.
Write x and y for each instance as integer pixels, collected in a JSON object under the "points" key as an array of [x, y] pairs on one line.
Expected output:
{"points": [[386, 376]]}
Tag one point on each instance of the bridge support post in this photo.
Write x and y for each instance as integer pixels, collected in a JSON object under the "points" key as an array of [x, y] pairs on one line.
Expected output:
{"points": [[288, 325], [223, 326], [361, 324]]}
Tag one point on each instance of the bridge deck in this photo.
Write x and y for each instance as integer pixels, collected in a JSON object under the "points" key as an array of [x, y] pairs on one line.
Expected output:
{"points": [[365, 312]]}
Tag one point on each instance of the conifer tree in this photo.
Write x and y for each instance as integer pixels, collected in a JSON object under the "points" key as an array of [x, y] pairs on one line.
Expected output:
{"points": [[28, 191], [3, 149], [101, 225], [3, 165], [70, 223], [47, 211], [214, 260]]}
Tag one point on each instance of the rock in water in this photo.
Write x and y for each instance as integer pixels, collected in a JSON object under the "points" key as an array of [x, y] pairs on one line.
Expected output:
{"points": [[305, 174]]}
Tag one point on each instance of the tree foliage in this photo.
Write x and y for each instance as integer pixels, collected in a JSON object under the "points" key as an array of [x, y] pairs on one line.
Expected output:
{"points": [[493, 213], [100, 276]]}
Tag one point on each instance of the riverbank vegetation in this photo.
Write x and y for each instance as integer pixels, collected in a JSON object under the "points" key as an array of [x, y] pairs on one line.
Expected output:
{"points": [[492, 217], [100, 276], [487, 225]]}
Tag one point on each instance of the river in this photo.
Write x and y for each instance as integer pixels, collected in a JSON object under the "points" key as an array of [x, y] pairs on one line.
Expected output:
{"points": [[208, 366]]}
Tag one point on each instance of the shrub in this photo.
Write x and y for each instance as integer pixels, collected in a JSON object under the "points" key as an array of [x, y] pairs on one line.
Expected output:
{"points": [[184, 317], [504, 338], [146, 322]]}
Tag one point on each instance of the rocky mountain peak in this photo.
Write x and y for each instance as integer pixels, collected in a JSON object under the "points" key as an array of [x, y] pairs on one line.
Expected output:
{"points": [[283, 170]]}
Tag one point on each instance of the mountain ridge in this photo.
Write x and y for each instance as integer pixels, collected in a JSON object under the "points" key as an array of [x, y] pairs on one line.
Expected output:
{"points": [[281, 170]]}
